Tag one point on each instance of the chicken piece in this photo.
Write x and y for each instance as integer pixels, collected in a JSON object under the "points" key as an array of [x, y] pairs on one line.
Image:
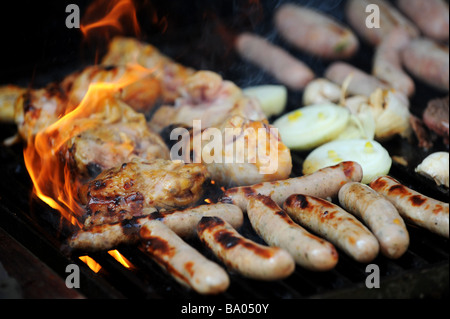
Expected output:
{"points": [[136, 85], [421, 133], [130, 189], [123, 51], [436, 117], [242, 155], [205, 96], [103, 133], [36, 110], [249, 152], [104, 147], [8, 97]]}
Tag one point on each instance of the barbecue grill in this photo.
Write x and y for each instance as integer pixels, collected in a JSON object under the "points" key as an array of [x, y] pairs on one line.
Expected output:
{"points": [[32, 231]]}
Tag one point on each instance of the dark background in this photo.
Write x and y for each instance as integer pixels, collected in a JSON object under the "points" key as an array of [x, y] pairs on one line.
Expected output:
{"points": [[38, 48]]}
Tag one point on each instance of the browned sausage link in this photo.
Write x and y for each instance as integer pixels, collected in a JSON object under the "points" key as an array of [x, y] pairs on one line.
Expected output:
{"points": [[334, 224], [185, 264], [273, 59], [387, 62], [379, 215], [182, 222], [243, 255], [278, 229], [428, 61], [389, 19], [430, 16], [107, 236], [323, 183], [413, 206], [361, 83], [315, 32]]}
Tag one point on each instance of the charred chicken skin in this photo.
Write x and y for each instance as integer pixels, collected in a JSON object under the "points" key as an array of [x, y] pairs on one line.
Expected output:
{"points": [[127, 191], [122, 136]]}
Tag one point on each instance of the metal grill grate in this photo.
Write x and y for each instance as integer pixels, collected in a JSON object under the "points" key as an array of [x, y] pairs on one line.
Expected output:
{"points": [[422, 271]]}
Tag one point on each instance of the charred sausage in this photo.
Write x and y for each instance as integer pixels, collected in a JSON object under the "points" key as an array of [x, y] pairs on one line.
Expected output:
{"points": [[389, 19], [334, 224], [428, 61], [185, 264], [361, 83], [413, 206], [379, 215], [315, 32], [278, 229], [243, 255], [323, 183], [275, 60], [431, 16], [182, 222]]}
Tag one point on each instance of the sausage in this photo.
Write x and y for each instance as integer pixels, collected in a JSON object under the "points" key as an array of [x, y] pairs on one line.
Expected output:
{"points": [[334, 224], [428, 61], [431, 16], [323, 183], [379, 215], [185, 264], [276, 228], [275, 60], [361, 83], [315, 32], [387, 62], [182, 222], [413, 206], [389, 19], [243, 255]]}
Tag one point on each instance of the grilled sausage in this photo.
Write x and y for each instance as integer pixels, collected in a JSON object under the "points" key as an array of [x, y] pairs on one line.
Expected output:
{"points": [[361, 83], [243, 255], [334, 224], [182, 222], [389, 19], [431, 16], [185, 264], [273, 59], [387, 63], [278, 229], [379, 215], [413, 206], [314, 32], [323, 183], [427, 61]]}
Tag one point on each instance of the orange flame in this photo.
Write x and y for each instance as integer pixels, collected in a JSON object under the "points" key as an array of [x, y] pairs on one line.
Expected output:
{"points": [[121, 259], [118, 13], [47, 166], [91, 263]]}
